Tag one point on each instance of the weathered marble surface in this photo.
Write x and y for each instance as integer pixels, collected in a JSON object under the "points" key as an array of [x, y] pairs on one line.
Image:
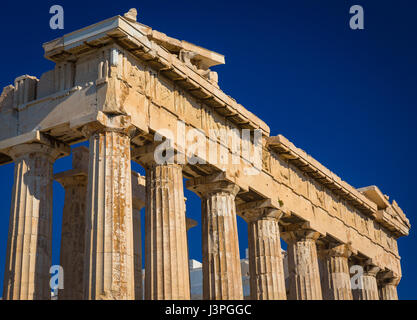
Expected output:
{"points": [[166, 249], [222, 277], [136, 86], [109, 264], [265, 260], [29, 248], [303, 268], [336, 284]]}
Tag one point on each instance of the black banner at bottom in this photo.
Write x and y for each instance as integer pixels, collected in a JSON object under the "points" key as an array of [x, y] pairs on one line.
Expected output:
{"points": [[167, 310]]}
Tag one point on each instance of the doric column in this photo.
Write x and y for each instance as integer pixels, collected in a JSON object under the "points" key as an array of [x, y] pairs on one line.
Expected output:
{"points": [[166, 257], [336, 277], [303, 268], [109, 268], [388, 288], [137, 259], [222, 276], [74, 182], [139, 196], [29, 248], [366, 287], [266, 268]]}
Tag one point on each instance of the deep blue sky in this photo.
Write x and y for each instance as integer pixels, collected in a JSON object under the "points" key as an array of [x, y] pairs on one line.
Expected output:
{"points": [[346, 97]]}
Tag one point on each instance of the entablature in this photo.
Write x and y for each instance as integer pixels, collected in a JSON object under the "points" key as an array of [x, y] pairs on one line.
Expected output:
{"points": [[368, 200], [135, 38]]}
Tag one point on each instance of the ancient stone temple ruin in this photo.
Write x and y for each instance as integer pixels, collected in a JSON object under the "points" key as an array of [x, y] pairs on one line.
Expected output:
{"points": [[123, 87]]}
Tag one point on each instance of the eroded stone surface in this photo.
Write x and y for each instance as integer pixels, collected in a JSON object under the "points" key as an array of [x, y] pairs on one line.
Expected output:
{"points": [[146, 82], [368, 287], [266, 267], [73, 236], [304, 275], [222, 277], [167, 275], [109, 264], [29, 249], [336, 283]]}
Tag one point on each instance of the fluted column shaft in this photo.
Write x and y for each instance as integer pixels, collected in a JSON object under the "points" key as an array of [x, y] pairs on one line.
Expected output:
{"points": [[222, 275], [139, 200], [336, 284], [137, 249], [29, 248], [267, 280], [109, 268], [304, 276], [166, 258], [388, 289], [74, 182], [368, 287], [73, 236]]}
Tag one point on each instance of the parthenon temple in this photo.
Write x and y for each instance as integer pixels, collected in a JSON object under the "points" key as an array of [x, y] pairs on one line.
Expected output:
{"points": [[121, 86]]}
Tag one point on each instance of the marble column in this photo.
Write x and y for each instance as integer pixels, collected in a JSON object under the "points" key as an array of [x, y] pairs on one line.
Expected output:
{"points": [[303, 268], [336, 278], [109, 253], [29, 247], [367, 287], [266, 268], [166, 257], [139, 196], [388, 288], [137, 248], [74, 182], [222, 276]]}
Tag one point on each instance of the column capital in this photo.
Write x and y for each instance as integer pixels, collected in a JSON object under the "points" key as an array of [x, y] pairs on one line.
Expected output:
{"points": [[146, 155], [394, 281], [368, 265], [388, 278], [298, 232], [78, 176], [73, 177], [335, 250], [370, 269], [261, 209], [109, 123], [211, 184], [48, 146]]}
